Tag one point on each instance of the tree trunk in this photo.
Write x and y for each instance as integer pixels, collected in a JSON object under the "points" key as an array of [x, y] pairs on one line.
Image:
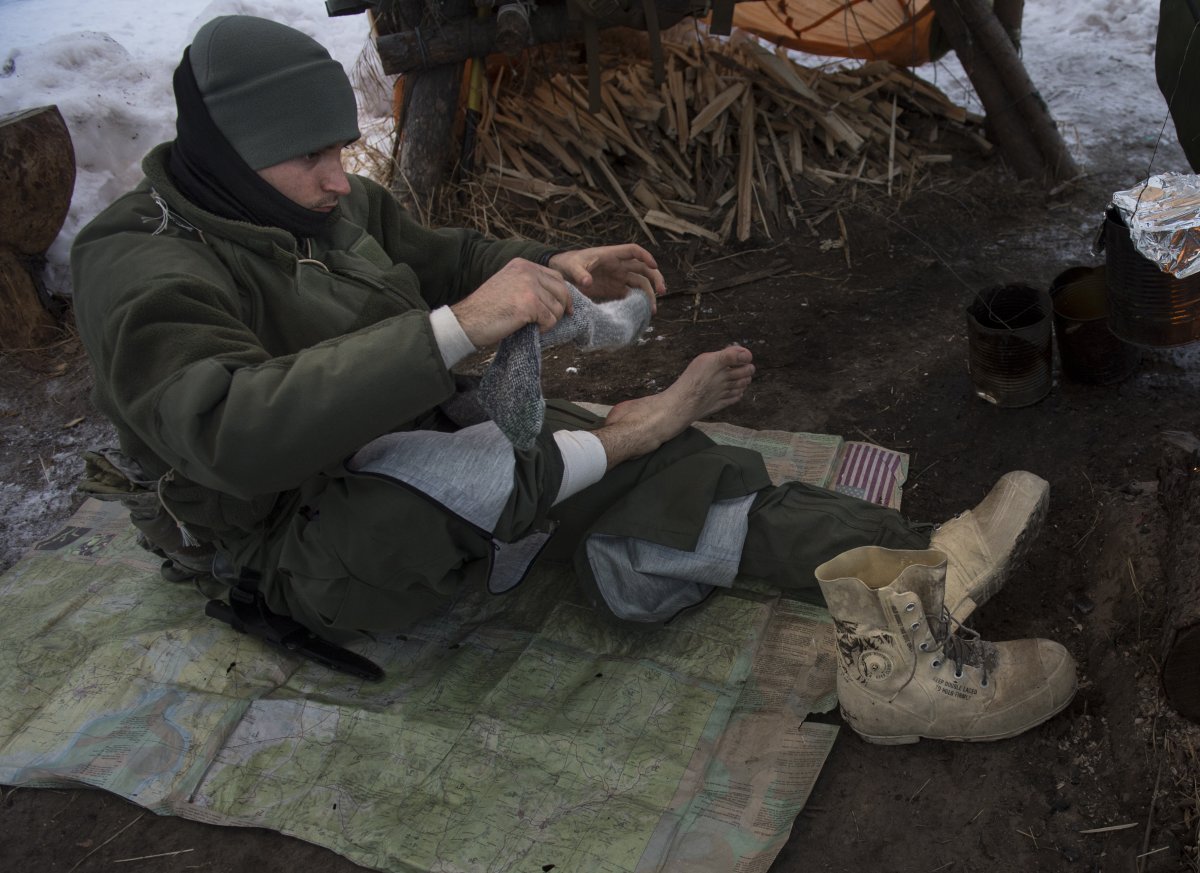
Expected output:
{"points": [[1179, 492], [1010, 13], [37, 177], [424, 147], [1019, 120], [424, 135]]}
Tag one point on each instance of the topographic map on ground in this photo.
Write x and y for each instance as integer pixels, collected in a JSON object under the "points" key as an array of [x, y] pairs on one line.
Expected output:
{"points": [[510, 731]]}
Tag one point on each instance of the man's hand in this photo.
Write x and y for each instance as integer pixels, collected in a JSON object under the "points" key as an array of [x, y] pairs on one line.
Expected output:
{"points": [[607, 272], [519, 293]]}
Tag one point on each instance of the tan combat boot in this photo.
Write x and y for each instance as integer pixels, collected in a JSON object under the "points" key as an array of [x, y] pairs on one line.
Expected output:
{"points": [[983, 544], [906, 671]]}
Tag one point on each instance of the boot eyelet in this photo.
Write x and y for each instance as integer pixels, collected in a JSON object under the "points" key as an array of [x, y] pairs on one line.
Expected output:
{"points": [[915, 625], [983, 683], [910, 607], [935, 664], [958, 674], [924, 647]]}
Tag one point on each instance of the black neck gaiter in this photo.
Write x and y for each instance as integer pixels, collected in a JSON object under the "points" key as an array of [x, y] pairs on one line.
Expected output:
{"points": [[210, 172]]}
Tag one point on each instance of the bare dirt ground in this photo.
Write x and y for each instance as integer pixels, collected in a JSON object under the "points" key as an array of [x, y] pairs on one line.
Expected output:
{"points": [[870, 344]]}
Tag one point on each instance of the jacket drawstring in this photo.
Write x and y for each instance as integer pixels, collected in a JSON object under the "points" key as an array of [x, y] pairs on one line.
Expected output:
{"points": [[309, 259], [168, 217], [185, 536]]}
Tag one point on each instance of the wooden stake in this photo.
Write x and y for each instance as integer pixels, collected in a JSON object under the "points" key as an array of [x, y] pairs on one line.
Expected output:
{"points": [[891, 147], [680, 97], [745, 181], [1019, 119]]}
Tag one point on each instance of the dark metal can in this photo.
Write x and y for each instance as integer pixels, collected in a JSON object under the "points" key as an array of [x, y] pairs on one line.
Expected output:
{"points": [[1087, 349], [1009, 345], [1147, 306]]}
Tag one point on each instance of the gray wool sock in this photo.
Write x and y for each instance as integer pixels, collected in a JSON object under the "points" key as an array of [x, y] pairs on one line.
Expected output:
{"points": [[511, 388]]}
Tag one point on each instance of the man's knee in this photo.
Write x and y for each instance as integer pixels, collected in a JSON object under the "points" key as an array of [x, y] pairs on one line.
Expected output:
{"points": [[372, 555]]}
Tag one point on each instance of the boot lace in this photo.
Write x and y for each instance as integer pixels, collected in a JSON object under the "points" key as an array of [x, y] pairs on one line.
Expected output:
{"points": [[962, 645]]}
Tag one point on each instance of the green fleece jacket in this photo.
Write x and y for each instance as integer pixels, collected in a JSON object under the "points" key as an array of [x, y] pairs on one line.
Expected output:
{"points": [[249, 362]]}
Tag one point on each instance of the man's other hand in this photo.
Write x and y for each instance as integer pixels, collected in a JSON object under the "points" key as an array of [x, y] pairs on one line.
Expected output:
{"points": [[605, 273], [520, 293]]}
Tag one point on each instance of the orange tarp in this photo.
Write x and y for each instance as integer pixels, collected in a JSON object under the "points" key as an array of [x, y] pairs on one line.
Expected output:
{"points": [[891, 30]]}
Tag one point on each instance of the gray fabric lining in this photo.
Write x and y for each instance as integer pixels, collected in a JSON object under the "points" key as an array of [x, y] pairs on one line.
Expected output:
{"points": [[469, 471], [511, 561], [644, 581]]}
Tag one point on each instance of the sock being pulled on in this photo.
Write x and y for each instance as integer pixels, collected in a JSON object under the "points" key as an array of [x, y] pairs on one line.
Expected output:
{"points": [[511, 388]]}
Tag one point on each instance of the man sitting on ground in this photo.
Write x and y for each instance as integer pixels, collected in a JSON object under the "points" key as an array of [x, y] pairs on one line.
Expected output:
{"points": [[274, 341]]}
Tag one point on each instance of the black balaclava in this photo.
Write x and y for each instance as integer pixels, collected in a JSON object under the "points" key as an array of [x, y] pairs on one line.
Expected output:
{"points": [[255, 94]]}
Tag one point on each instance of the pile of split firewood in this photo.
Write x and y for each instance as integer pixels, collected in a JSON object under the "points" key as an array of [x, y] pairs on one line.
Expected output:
{"points": [[736, 140]]}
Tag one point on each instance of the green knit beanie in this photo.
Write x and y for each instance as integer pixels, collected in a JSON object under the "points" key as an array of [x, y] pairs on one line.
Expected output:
{"points": [[273, 91]]}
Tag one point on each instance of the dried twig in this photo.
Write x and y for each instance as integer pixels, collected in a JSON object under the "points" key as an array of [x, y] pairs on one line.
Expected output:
{"points": [[1087, 533], [912, 482], [919, 790], [1110, 828], [1150, 816], [148, 857], [736, 281], [1137, 591], [136, 819], [845, 240]]}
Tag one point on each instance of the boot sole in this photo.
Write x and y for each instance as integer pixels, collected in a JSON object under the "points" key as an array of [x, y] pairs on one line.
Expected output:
{"points": [[908, 739]]}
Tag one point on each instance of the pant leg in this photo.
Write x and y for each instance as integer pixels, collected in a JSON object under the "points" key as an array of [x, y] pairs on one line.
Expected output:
{"points": [[368, 555], [575, 515], [796, 527], [663, 497]]}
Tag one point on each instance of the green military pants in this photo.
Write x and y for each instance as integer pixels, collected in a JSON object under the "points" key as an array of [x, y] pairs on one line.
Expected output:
{"points": [[368, 554]]}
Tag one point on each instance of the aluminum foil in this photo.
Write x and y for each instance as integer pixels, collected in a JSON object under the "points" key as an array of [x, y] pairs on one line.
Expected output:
{"points": [[1163, 215]]}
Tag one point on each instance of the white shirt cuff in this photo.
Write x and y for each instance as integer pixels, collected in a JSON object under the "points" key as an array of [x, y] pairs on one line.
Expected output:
{"points": [[584, 461], [451, 340]]}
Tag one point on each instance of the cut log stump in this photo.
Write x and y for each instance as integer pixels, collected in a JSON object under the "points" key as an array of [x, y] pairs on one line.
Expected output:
{"points": [[25, 323], [37, 177], [1179, 491]]}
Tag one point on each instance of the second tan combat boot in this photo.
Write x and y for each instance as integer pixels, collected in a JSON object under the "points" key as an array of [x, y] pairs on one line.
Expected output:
{"points": [[983, 544], [906, 671]]}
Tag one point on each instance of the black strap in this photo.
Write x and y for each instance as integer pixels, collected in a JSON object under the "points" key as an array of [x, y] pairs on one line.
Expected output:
{"points": [[247, 613]]}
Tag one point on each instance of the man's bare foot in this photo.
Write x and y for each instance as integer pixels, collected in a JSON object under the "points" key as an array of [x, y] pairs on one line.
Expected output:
{"points": [[711, 382]]}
